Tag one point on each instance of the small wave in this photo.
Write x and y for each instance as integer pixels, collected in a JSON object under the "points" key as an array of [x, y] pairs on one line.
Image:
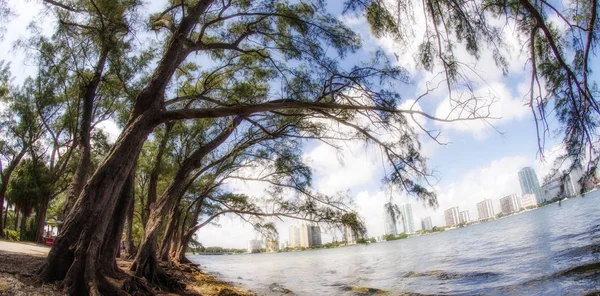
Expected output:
{"points": [[579, 251], [581, 270]]}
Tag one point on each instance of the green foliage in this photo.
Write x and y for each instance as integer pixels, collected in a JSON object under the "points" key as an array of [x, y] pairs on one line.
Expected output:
{"points": [[30, 183], [12, 235]]}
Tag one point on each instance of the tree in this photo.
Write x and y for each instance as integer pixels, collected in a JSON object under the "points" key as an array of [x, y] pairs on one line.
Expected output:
{"points": [[30, 185], [557, 37], [19, 130], [286, 42]]}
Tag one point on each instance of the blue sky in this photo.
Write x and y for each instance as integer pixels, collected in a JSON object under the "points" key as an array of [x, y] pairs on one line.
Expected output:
{"points": [[477, 163]]}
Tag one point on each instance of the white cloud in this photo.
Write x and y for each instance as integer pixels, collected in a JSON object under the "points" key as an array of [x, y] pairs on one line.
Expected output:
{"points": [[111, 128]]}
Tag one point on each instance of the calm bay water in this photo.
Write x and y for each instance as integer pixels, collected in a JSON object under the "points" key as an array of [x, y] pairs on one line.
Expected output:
{"points": [[554, 250]]}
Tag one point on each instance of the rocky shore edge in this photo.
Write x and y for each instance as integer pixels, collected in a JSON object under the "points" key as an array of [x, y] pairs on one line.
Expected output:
{"points": [[17, 278]]}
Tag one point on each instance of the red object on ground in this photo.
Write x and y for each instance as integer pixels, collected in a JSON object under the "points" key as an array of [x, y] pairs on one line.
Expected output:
{"points": [[49, 241]]}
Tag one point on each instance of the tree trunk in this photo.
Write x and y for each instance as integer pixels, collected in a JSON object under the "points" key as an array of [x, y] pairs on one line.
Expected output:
{"points": [[179, 256], [16, 218], [5, 215], [112, 241], [146, 263], [129, 244], [74, 258], [75, 255], [153, 182], [5, 178], [40, 218], [85, 147], [23, 229], [165, 246]]}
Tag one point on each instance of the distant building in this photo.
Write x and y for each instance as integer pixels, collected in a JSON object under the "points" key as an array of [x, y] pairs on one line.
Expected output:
{"points": [[572, 186], [510, 204], [294, 236], [349, 236], [452, 217], [310, 235], [552, 188], [530, 185], [528, 200], [284, 245], [407, 218], [464, 217], [254, 245], [389, 221], [426, 224], [485, 209]]}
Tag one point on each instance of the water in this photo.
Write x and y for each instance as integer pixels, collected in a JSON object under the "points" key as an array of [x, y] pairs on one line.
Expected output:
{"points": [[554, 250]]}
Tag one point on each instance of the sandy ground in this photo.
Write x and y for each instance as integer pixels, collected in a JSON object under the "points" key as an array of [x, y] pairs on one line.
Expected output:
{"points": [[19, 261], [24, 248]]}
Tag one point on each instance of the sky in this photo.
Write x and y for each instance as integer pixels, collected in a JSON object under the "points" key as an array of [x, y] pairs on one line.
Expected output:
{"points": [[479, 161]]}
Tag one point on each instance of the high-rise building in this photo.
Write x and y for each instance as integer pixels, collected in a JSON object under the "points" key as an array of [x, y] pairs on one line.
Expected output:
{"points": [[464, 217], [426, 224], [408, 222], [452, 217], [294, 236], [310, 235], [572, 185], [485, 209], [529, 184], [389, 220], [528, 200], [510, 204]]}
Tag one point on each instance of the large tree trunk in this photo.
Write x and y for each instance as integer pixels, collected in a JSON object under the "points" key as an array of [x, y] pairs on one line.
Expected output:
{"points": [[153, 182], [75, 256], [40, 218], [146, 263], [129, 244], [165, 246], [84, 144], [112, 241], [179, 256]]}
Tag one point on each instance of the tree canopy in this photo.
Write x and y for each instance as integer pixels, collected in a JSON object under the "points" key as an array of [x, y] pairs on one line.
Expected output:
{"points": [[232, 90]]}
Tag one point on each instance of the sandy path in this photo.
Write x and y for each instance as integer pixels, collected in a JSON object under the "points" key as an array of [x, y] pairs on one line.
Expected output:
{"points": [[25, 248]]}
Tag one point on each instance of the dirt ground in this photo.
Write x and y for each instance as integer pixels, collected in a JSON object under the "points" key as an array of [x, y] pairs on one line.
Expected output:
{"points": [[17, 278]]}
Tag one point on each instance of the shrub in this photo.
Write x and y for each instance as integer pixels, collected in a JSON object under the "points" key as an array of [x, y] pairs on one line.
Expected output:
{"points": [[12, 235]]}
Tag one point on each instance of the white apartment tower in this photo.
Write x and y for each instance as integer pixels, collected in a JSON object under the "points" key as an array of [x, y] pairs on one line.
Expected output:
{"points": [[389, 221], [464, 217], [452, 216], [426, 224], [485, 209], [510, 204], [407, 218], [294, 236]]}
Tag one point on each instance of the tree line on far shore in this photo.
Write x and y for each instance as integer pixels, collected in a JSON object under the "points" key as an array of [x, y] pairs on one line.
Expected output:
{"points": [[208, 95]]}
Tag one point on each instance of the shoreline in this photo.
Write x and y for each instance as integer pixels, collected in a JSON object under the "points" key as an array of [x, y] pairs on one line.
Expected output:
{"points": [[17, 278]]}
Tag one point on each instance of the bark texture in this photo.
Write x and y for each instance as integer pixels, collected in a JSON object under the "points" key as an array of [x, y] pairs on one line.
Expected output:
{"points": [[83, 143], [146, 261], [40, 218]]}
